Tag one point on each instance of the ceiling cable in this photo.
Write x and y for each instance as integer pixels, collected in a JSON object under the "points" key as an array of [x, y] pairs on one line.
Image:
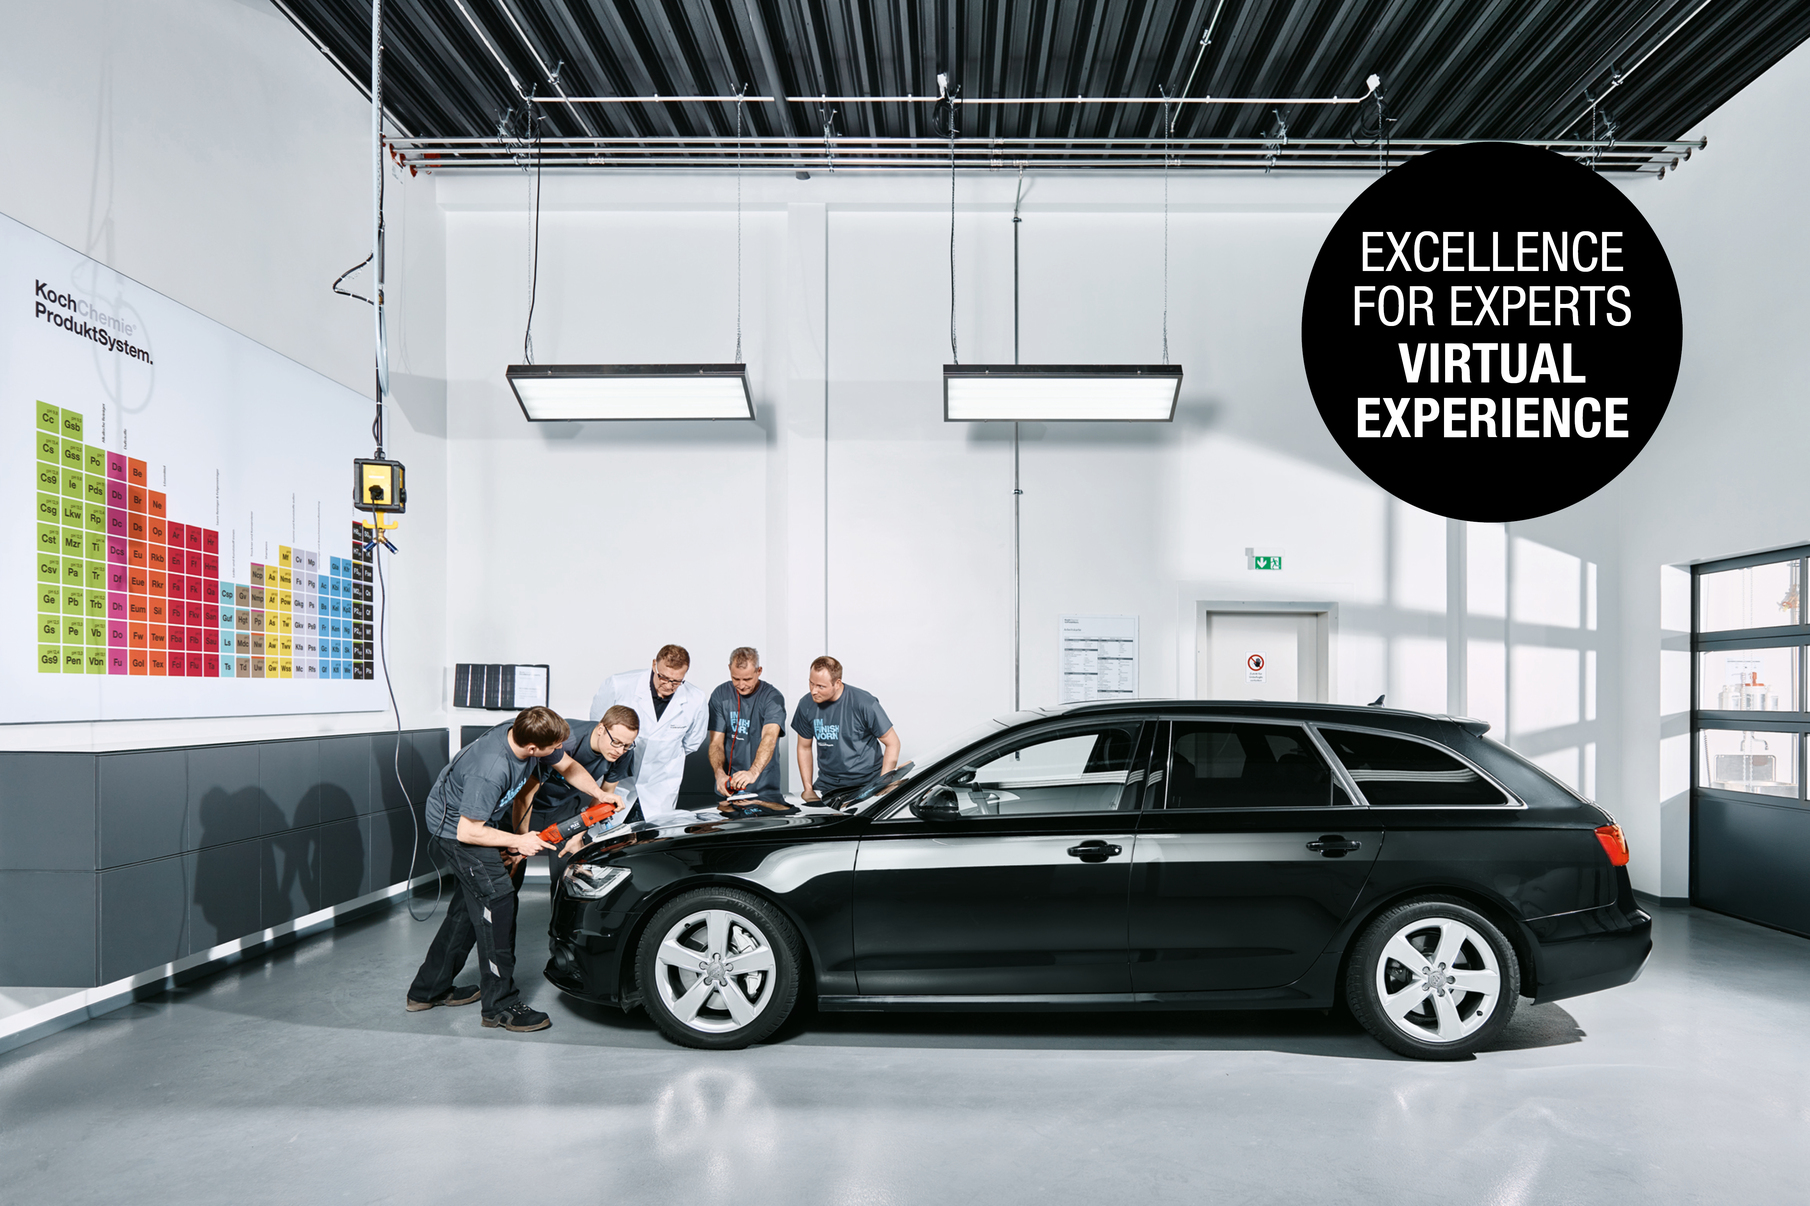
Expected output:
{"points": [[1167, 125], [1206, 40], [1618, 78], [534, 274], [738, 229]]}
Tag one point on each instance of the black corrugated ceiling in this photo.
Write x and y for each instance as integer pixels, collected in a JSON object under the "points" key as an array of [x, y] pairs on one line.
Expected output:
{"points": [[1467, 69]]}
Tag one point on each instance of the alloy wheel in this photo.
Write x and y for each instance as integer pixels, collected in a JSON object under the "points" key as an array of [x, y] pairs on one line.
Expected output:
{"points": [[714, 971], [1438, 980]]}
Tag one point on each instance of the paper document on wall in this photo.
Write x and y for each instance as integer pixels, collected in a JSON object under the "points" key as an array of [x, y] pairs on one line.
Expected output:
{"points": [[1099, 657]]}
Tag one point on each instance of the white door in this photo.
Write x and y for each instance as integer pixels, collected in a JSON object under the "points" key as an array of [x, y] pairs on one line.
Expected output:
{"points": [[1259, 655]]}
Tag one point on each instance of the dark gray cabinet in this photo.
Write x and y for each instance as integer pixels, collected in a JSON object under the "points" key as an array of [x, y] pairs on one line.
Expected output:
{"points": [[113, 864]]}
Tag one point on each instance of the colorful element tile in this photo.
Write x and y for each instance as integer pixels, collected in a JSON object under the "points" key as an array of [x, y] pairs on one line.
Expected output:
{"points": [[123, 587]]}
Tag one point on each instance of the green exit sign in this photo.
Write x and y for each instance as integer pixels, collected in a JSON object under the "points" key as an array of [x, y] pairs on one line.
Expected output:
{"points": [[1266, 563]]}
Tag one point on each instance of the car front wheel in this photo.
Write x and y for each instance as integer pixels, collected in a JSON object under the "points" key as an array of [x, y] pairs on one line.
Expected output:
{"points": [[1433, 979], [718, 968]]}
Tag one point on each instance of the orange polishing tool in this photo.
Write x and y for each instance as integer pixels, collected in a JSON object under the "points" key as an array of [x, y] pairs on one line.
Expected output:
{"points": [[554, 834]]}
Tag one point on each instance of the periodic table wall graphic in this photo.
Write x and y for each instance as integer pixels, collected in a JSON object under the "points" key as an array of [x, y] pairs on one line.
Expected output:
{"points": [[192, 550]]}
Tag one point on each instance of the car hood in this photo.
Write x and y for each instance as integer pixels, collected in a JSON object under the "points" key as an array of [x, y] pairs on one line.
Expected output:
{"points": [[806, 823]]}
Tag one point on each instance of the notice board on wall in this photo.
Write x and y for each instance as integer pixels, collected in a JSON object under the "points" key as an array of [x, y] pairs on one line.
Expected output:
{"points": [[1099, 657], [182, 538]]}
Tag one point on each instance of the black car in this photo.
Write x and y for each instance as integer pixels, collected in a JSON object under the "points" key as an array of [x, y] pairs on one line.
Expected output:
{"points": [[1137, 855]]}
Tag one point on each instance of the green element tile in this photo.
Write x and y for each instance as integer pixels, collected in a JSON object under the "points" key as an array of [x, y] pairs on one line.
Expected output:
{"points": [[74, 572], [94, 460], [72, 455], [94, 630], [75, 658], [94, 517], [75, 513], [73, 479], [94, 492], [50, 507], [72, 425], [50, 596], [72, 542], [74, 630], [96, 659], [50, 449], [50, 478], [96, 600], [50, 538], [50, 568], [50, 629], [50, 659], [94, 545], [50, 419], [75, 601]]}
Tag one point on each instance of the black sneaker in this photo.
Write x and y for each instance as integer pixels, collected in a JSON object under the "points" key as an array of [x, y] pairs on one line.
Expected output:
{"points": [[519, 1018], [458, 996]]}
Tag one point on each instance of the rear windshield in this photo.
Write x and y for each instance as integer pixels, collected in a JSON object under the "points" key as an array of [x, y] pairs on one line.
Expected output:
{"points": [[1398, 771]]}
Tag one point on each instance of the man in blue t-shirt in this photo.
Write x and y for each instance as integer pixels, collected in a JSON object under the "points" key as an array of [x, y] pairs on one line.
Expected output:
{"points": [[746, 719], [844, 731]]}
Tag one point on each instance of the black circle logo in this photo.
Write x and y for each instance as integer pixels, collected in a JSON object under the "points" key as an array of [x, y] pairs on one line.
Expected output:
{"points": [[1492, 332]]}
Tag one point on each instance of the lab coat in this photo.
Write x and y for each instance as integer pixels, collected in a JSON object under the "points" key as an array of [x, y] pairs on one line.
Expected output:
{"points": [[663, 743]]}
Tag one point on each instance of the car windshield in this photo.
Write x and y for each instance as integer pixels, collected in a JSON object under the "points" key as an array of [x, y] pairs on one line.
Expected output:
{"points": [[948, 749]]}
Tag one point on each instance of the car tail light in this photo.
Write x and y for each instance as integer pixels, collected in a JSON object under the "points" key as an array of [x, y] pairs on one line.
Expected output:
{"points": [[1615, 844]]}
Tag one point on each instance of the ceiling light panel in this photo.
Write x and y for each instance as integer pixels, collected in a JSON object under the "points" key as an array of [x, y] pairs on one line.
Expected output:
{"points": [[1060, 392], [553, 393]]}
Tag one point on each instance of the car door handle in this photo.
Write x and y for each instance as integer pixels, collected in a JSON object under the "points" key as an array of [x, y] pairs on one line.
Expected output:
{"points": [[1094, 852], [1333, 845]]}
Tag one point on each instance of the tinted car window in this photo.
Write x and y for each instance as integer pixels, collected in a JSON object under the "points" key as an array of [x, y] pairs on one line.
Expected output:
{"points": [[1227, 764], [1087, 771], [1392, 770]]}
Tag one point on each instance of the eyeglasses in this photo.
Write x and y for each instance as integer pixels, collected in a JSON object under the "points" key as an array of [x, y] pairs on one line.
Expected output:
{"points": [[670, 682], [617, 742]]}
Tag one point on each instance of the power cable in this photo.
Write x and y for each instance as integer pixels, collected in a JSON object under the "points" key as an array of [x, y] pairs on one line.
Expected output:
{"points": [[383, 654]]}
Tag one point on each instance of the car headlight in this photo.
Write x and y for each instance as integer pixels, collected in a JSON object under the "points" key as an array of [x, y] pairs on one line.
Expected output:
{"points": [[588, 881]]}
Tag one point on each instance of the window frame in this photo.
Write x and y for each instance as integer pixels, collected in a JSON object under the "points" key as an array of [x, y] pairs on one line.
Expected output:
{"points": [[1777, 636], [1162, 777], [1509, 798], [1005, 743]]}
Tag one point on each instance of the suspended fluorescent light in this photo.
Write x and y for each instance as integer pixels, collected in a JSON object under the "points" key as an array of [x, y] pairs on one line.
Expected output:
{"points": [[978, 393], [563, 393]]}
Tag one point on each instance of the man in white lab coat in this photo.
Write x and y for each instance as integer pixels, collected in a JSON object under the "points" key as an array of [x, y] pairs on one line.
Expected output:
{"points": [[675, 717]]}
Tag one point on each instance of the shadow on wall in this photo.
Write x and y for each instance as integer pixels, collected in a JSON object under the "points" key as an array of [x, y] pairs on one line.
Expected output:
{"points": [[241, 886]]}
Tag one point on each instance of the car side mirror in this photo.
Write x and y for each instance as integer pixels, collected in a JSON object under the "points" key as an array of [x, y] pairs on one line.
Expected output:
{"points": [[938, 805]]}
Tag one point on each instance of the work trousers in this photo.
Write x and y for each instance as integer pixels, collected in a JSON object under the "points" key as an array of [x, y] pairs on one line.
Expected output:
{"points": [[481, 912]]}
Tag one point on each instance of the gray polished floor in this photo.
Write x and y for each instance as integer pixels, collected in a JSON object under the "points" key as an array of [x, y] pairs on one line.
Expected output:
{"points": [[300, 1078]]}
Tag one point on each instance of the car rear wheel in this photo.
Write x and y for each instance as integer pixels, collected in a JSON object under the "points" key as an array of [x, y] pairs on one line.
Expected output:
{"points": [[1433, 979], [718, 968]]}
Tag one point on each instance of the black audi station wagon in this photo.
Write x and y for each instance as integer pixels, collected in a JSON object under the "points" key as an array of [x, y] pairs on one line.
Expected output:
{"points": [[1137, 855]]}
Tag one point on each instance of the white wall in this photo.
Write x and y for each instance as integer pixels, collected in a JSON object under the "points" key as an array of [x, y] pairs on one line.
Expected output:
{"points": [[1724, 474], [714, 536], [207, 149]]}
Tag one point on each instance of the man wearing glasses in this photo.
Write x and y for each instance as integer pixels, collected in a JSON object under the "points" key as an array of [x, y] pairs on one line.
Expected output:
{"points": [[673, 715]]}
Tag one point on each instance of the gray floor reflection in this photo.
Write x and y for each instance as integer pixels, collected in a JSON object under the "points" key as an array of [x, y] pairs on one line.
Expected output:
{"points": [[299, 1077]]}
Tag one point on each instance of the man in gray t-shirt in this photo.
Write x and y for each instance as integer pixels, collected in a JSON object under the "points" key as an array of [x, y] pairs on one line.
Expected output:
{"points": [[844, 731], [471, 818], [747, 716]]}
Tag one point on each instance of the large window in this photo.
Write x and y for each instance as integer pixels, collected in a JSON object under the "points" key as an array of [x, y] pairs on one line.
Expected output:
{"points": [[1234, 764], [1749, 711], [1084, 771]]}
